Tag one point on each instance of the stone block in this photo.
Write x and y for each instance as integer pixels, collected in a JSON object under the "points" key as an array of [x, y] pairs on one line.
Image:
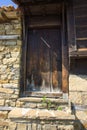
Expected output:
{"points": [[4, 76], [18, 26], [3, 68], [9, 61], [1, 128], [7, 103], [30, 105], [2, 48], [8, 55], [76, 97], [13, 32], [12, 104], [77, 82], [29, 127], [3, 114], [2, 102], [65, 127], [22, 126], [53, 127], [39, 127], [16, 21], [9, 85], [10, 43], [19, 104], [6, 91], [9, 26], [3, 123], [14, 96], [84, 98], [34, 126], [47, 127], [12, 126], [1, 57], [1, 26], [4, 81], [15, 54], [19, 42], [2, 32]]}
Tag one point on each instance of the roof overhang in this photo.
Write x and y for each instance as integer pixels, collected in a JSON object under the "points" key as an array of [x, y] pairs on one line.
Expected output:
{"points": [[40, 7], [35, 2]]}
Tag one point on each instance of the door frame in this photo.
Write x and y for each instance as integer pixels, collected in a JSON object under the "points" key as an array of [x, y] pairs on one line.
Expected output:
{"points": [[65, 55]]}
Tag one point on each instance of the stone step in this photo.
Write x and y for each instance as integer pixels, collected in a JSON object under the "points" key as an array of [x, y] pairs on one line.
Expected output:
{"points": [[36, 119], [42, 103]]}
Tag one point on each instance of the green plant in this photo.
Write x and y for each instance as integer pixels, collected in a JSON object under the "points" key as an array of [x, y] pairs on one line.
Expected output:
{"points": [[49, 104], [46, 103], [59, 108]]}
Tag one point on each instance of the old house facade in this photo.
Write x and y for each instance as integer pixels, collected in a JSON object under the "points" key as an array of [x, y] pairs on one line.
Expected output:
{"points": [[43, 59]]}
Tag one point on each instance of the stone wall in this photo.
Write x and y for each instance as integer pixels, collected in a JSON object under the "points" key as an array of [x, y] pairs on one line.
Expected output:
{"points": [[78, 81], [78, 89], [10, 54]]}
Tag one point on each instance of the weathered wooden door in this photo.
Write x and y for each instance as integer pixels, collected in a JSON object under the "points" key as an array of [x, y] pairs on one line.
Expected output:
{"points": [[44, 60]]}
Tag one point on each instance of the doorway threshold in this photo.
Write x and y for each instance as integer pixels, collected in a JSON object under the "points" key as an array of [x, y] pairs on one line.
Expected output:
{"points": [[42, 94]]}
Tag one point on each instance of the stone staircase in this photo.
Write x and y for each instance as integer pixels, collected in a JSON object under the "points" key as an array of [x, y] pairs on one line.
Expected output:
{"points": [[42, 113]]}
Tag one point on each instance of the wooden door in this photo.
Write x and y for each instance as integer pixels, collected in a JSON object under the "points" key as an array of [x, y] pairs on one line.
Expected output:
{"points": [[44, 59]]}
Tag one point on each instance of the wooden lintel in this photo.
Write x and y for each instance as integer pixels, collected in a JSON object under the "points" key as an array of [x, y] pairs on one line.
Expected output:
{"points": [[9, 37], [44, 22]]}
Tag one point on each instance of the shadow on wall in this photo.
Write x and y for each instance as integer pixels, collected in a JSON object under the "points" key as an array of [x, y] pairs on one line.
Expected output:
{"points": [[78, 124]]}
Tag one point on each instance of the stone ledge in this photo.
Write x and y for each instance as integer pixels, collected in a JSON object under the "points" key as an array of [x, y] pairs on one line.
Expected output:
{"points": [[22, 113], [39, 100]]}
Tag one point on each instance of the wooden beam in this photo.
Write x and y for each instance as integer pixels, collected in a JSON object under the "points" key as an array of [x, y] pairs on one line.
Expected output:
{"points": [[65, 58], [71, 27], [32, 2], [9, 37], [81, 39], [48, 21]]}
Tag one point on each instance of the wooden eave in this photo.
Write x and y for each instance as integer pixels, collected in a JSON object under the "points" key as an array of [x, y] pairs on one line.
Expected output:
{"points": [[35, 2]]}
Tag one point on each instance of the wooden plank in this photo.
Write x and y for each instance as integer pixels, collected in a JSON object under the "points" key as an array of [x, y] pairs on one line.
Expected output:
{"points": [[81, 11], [65, 58], [44, 22], [81, 21], [82, 44], [81, 32], [24, 53], [81, 39], [79, 2], [71, 27], [9, 37], [78, 54], [36, 2]]}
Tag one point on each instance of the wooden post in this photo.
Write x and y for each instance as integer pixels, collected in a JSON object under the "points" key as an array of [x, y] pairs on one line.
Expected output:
{"points": [[65, 55], [24, 52]]}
